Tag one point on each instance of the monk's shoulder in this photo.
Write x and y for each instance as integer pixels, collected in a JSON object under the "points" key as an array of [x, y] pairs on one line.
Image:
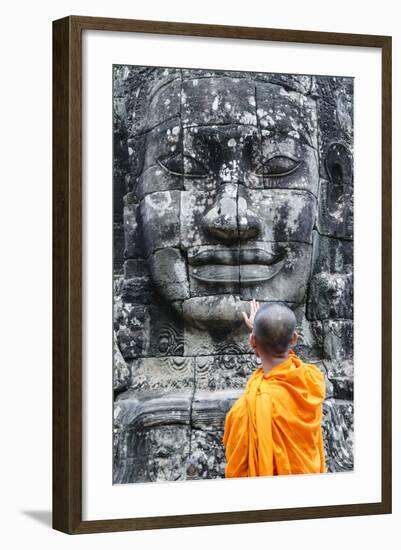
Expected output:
{"points": [[314, 370], [315, 376]]}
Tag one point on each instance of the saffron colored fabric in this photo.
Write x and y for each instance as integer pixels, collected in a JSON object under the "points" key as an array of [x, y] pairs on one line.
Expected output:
{"points": [[274, 428]]}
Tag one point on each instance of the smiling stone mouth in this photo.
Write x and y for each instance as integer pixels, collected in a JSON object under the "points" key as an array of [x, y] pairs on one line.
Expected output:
{"points": [[245, 265]]}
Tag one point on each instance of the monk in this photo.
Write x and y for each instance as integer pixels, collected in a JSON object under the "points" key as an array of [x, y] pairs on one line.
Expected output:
{"points": [[274, 428]]}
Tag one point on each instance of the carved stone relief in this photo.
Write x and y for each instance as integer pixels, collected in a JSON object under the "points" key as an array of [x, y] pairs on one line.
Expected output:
{"points": [[227, 187]]}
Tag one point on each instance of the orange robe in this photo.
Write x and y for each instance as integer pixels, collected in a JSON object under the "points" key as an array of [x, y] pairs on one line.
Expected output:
{"points": [[274, 428]]}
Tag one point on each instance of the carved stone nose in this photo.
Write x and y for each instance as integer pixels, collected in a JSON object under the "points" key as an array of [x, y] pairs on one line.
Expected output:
{"points": [[230, 218], [248, 222]]}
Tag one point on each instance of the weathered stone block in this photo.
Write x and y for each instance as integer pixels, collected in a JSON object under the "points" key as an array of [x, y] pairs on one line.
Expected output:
{"points": [[331, 296], [160, 219], [286, 113], [213, 269], [289, 163], [332, 255], [163, 145], [197, 341], [224, 372], [310, 339], [156, 178], [338, 430], [121, 373], [193, 208], [164, 102], [230, 153], [151, 437], [284, 215], [284, 279], [163, 374], [216, 312], [132, 232], [298, 83], [218, 101], [335, 113], [131, 344], [118, 248], [338, 339], [166, 329], [341, 376], [137, 145], [168, 269], [137, 287], [210, 408], [207, 458], [191, 74], [336, 211]]}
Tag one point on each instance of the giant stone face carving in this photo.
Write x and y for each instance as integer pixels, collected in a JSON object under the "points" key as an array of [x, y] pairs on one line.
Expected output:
{"points": [[236, 186]]}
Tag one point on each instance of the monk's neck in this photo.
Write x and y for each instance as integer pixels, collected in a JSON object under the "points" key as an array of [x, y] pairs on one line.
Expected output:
{"points": [[269, 362]]}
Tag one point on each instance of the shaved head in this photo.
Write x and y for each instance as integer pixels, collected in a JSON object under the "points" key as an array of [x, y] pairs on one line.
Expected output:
{"points": [[274, 327]]}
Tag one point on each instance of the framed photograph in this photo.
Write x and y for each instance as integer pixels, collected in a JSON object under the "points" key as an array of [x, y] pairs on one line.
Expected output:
{"points": [[221, 274]]}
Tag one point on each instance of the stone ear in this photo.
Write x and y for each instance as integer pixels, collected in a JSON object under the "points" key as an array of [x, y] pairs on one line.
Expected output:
{"points": [[335, 217], [338, 164]]}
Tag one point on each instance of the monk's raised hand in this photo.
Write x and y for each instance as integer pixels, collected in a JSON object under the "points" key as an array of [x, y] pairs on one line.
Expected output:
{"points": [[254, 306]]}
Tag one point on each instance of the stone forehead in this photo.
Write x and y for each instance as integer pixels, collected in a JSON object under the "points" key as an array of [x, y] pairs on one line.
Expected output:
{"points": [[238, 80], [219, 98]]}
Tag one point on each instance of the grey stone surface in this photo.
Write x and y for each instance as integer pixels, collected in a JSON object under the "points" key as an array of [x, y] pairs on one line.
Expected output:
{"points": [[121, 374], [156, 178], [165, 374], [218, 100], [336, 210], [132, 232], [160, 214], [231, 152], [331, 296], [310, 337], [207, 458], [220, 372], [335, 114], [209, 408], [286, 114], [340, 375], [338, 339], [284, 215], [151, 436], [220, 341], [137, 287], [286, 278], [227, 187], [332, 255], [161, 143], [168, 270], [338, 433]]}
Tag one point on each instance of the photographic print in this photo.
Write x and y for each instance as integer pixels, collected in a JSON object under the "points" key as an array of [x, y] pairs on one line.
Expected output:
{"points": [[232, 205]]}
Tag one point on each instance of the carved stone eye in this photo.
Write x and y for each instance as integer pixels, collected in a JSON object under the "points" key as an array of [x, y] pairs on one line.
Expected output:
{"points": [[183, 165], [279, 166]]}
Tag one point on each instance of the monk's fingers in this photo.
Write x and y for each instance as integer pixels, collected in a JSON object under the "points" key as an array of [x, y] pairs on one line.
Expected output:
{"points": [[253, 306], [247, 320]]}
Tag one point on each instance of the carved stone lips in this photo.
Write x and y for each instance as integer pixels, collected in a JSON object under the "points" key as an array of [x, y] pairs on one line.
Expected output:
{"points": [[234, 265]]}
